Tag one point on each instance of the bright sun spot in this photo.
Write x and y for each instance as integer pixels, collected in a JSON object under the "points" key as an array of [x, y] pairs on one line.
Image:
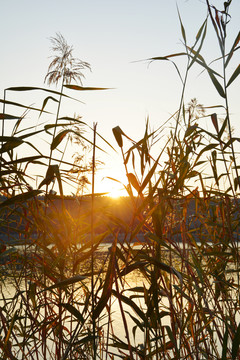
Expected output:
{"points": [[115, 193], [116, 190], [111, 187]]}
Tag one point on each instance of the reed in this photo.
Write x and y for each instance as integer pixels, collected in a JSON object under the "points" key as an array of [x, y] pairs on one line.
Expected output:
{"points": [[64, 290]]}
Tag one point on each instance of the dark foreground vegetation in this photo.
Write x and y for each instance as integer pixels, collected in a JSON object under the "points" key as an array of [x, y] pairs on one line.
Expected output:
{"points": [[62, 290]]}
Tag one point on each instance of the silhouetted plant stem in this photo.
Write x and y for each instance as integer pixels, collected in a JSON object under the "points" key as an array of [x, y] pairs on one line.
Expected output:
{"points": [[92, 241], [3, 120], [179, 111], [124, 319], [220, 31], [229, 127], [3, 126], [56, 120], [58, 342], [126, 171], [221, 35]]}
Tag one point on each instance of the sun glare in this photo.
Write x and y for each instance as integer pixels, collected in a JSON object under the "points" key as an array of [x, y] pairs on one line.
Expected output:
{"points": [[115, 193], [116, 190], [111, 186]]}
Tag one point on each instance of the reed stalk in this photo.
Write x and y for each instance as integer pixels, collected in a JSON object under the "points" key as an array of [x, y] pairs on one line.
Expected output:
{"points": [[179, 239], [92, 241]]}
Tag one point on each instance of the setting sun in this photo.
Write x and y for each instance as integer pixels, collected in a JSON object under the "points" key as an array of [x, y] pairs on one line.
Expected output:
{"points": [[113, 187], [116, 193], [116, 189]]}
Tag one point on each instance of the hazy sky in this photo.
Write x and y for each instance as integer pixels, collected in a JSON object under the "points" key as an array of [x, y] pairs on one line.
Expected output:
{"points": [[112, 35]]}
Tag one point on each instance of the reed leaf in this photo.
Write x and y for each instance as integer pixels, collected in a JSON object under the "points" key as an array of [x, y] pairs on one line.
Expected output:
{"points": [[149, 175], [8, 117], [236, 343], [197, 53], [7, 102], [10, 144], [216, 83], [58, 139], [215, 122], [182, 29], [83, 88], [225, 344], [107, 287], [50, 175], [190, 130], [21, 198], [59, 180], [203, 28], [133, 181], [166, 57], [130, 303], [117, 132], [223, 127], [140, 325], [64, 283], [45, 103], [162, 266], [52, 126], [74, 312], [236, 41], [29, 88], [13, 320], [207, 148], [234, 75], [135, 266], [230, 142]]}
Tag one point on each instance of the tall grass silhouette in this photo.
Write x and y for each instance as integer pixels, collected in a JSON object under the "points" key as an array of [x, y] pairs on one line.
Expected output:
{"points": [[177, 232]]}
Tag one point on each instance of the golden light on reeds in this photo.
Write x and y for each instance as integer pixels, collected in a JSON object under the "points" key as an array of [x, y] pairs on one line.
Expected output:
{"points": [[71, 258]]}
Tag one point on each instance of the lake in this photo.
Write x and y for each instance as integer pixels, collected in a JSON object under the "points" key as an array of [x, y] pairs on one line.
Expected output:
{"points": [[173, 299]]}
